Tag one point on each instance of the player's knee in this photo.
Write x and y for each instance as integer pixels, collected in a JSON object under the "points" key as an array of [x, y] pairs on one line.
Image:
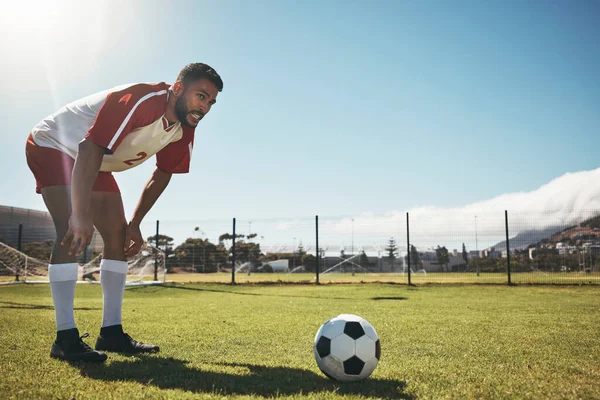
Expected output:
{"points": [[114, 232], [61, 230], [113, 235]]}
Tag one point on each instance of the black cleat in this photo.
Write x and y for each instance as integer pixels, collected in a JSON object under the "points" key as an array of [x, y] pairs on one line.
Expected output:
{"points": [[69, 346], [120, 342]]}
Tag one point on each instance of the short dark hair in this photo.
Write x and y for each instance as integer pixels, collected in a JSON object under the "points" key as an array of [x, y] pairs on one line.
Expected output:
{"points": [[195, 71]]}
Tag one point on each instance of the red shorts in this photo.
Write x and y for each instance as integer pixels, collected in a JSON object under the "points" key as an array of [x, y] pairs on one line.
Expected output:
{"points": [[52, 167]]}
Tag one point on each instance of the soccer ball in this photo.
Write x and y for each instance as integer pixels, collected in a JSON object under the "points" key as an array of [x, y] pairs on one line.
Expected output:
{"points": [[347, 348]]}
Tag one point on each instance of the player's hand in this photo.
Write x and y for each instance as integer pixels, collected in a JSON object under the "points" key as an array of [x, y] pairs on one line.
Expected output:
{"points": [[81, 230], [133, 234]]}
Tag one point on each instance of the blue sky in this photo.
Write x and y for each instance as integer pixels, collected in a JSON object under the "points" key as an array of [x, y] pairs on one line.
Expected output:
{"points": [[329, 107]]}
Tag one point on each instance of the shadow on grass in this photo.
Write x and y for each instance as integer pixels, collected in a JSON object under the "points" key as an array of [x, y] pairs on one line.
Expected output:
{"points": [[197, 289], [389, 298], [25, 306], [171, 373]]}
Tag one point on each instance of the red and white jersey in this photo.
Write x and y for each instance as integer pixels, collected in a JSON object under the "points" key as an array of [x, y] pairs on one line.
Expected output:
{"points": [[128, 121]]}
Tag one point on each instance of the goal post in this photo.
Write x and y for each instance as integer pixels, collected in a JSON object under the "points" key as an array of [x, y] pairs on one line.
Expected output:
{"points": [[15, 264]]}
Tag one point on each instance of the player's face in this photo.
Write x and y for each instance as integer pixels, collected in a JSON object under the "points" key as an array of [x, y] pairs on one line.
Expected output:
{"points": [[194, 101]]}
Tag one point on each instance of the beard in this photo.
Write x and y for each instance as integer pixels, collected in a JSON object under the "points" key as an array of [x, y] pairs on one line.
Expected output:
{"points": [[182, 111]]}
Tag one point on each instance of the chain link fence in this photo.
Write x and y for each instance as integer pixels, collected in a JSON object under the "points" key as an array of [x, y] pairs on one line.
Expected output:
{"points": [[425, 246]]}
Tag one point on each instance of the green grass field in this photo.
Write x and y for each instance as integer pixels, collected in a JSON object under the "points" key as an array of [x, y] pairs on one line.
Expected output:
{"points": [[398, 278], [255, 341], [571, 278]]}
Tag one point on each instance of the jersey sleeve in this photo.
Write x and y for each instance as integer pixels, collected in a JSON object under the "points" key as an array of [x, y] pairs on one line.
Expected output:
{"points": [[123, 111], [175, 158]]}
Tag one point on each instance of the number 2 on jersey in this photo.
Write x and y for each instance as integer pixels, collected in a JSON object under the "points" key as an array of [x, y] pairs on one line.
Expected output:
{"points": [[140, 155]]}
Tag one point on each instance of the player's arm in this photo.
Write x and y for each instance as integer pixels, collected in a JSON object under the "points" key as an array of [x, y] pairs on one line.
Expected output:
{"points": [[173, 159], [152, 191], [85, 171]]}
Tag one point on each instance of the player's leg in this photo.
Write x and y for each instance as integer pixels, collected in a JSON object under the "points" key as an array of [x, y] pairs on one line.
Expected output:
{"points": [[63, 279], [63, 267], [109, 218], [51, 169], [58, 203]]}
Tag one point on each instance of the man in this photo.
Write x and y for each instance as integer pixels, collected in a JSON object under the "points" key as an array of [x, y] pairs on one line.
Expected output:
{"points": [[72, 154]]}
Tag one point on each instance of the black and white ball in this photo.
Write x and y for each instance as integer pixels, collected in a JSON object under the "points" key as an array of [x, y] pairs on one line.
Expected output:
{"points": [[347, 348]]}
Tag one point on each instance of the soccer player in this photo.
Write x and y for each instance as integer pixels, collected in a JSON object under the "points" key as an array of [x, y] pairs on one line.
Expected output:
{"points": [[73, 153]]}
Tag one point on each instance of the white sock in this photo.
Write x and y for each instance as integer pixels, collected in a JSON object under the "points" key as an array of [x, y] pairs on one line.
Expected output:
{"points": [[113, 274], [63, 278]]}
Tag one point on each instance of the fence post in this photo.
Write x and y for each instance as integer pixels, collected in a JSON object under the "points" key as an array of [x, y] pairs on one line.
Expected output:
{"points": [[19, 247], [318, 250], [26, 266], [233, 257], [507, 247], [408, 247], [156, 254], [20, 238]]}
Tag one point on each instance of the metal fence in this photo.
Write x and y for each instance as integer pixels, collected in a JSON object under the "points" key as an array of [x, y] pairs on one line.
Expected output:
{"points": [[424, 246], [420, 247]]}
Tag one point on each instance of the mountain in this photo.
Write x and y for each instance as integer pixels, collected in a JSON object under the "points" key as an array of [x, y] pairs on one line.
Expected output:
{"points": [[524, 239], [586, 230]]}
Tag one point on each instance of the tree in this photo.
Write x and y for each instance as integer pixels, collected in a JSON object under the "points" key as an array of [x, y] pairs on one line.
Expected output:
{"points": [[323, 265], [465, 257], [246, 252], [300, 253], [364, 260], [217, 256], [392, 250], [442, 256], [271, 256], [309, 262], [41, 251], [213, 256], [165, 242], [267, 268], [414, 257], [228, 236], [252, 257]]}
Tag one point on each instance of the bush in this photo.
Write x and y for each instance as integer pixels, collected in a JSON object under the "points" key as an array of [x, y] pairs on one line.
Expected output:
{"points": [[267, 268]]}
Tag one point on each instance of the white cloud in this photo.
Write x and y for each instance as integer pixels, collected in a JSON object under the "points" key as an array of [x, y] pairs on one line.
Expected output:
{"points": [[564, 201]]}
